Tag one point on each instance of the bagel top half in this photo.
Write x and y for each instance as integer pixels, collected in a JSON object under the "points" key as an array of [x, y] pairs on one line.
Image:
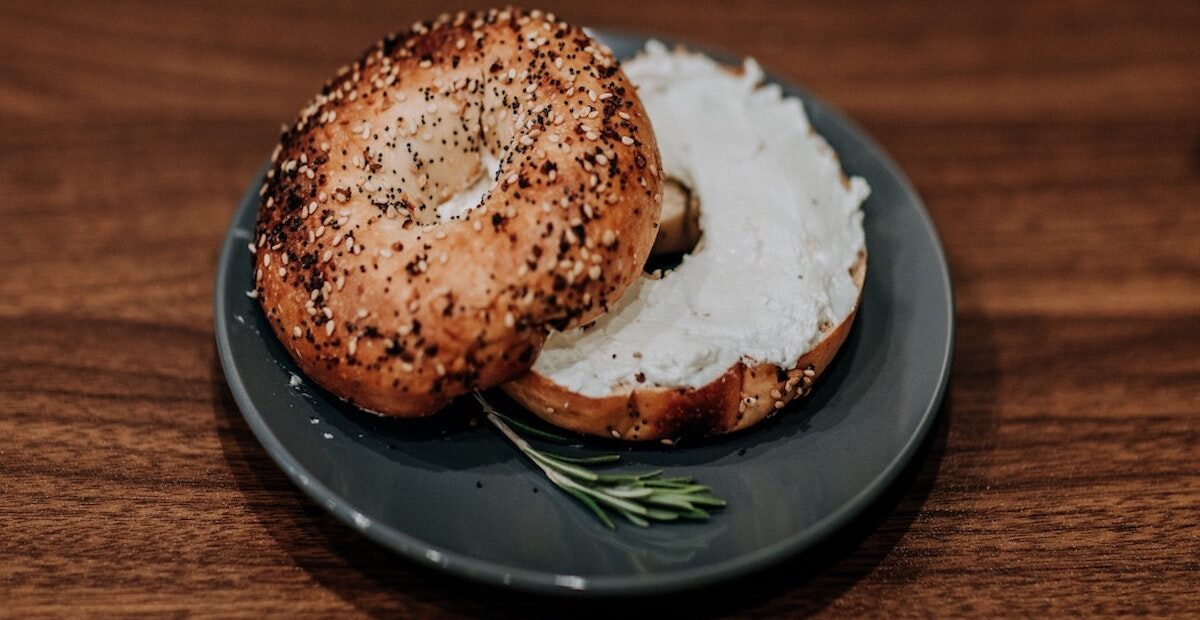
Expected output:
{"points": [[755, 313], [398, 308]]}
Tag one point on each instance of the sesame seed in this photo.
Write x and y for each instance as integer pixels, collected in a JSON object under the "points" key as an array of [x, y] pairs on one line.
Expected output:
{"points": [[509, 321], [329, 327], [626, 140], [616, 434], [296, 332], [352, 346]]}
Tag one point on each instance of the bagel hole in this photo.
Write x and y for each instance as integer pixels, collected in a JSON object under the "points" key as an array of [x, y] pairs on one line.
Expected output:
{"points": [[459, 204], [679, 228]]}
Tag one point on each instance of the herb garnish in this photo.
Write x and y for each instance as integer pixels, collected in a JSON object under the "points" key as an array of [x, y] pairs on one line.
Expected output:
{"points": [[640, 498]]}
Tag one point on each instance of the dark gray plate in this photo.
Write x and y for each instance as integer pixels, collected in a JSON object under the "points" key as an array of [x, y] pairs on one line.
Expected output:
{"points": [[460, 499]]}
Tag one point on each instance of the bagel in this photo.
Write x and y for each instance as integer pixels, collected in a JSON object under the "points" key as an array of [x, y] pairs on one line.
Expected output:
{"points": [[447, 199], [749, 320]]}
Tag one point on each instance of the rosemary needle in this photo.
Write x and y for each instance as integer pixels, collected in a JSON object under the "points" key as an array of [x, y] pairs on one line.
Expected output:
{"points": [[639, 498]]}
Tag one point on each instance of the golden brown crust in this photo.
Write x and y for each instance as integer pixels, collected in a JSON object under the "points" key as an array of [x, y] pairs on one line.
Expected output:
{"points": [[388, 308], [739, 398]]}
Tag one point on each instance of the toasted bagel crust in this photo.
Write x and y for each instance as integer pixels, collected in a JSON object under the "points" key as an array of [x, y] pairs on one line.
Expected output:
{"points": [[741, 397], [398, 311]]}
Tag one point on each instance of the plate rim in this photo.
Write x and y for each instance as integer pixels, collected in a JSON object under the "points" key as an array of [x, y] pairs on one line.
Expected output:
{"points": [[506, 576]]}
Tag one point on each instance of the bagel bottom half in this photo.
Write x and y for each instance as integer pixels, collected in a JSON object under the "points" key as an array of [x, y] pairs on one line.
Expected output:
{"points": [[758, 310]]}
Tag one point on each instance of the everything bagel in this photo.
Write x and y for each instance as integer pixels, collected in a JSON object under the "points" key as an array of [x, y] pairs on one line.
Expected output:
{"points": [[397, 305]]}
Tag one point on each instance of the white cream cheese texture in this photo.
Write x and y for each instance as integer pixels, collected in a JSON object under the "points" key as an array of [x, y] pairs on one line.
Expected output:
{"points": [[780, 233]]}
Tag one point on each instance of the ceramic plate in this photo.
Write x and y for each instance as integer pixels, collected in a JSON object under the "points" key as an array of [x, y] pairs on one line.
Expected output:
{"points": [[457, 497]]}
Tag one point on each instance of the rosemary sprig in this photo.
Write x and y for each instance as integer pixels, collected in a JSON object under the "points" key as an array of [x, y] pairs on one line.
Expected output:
{"points": [[639, 498]]}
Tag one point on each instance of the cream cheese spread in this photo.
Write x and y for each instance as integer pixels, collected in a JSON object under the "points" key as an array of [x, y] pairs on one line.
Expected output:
{"points": [[780, 227]]}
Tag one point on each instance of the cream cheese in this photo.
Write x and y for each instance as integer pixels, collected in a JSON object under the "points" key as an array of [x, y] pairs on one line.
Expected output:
{"points": [[780, 233]]}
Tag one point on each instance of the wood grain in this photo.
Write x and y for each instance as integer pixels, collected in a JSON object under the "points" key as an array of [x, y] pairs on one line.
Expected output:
{"points": [[1056, 144]]}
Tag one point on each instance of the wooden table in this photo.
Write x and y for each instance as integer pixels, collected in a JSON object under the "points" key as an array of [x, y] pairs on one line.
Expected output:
{"points": [[1056, 144]]}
